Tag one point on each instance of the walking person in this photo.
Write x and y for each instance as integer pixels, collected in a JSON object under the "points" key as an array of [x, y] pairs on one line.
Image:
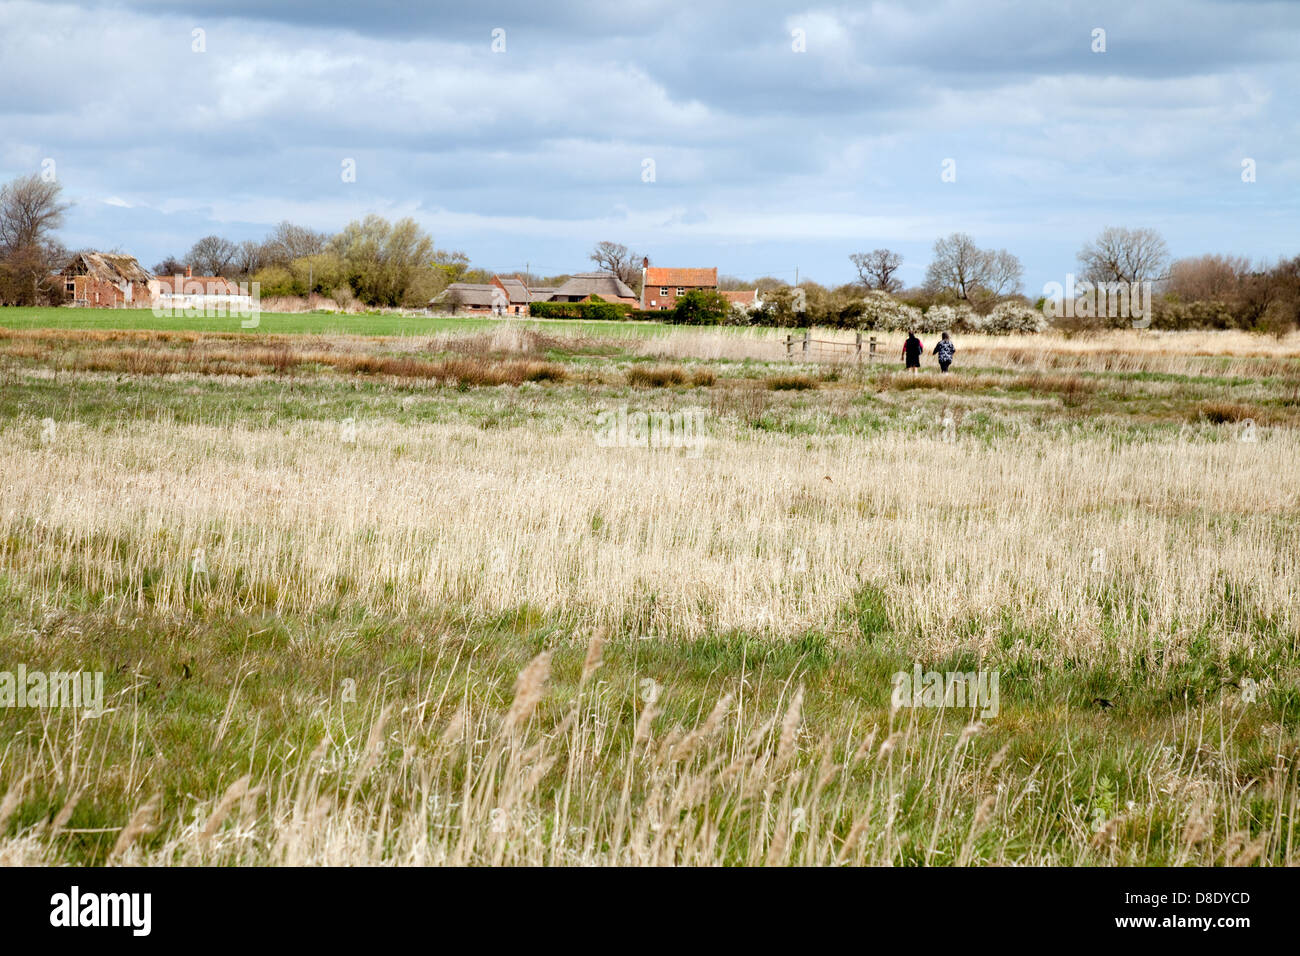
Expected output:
{"points": [[912, 352], [944, 352]]}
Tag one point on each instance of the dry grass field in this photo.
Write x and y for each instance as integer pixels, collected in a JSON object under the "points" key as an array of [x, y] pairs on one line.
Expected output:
{"points": [[393, 600]]}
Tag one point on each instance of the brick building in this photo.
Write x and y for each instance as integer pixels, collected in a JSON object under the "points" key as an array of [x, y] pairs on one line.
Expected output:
{"points": [[198, 292], [517, 295], [105, 280], [661, 288]]}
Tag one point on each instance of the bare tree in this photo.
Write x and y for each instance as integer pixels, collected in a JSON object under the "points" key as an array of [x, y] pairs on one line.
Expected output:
{"points": [[769, 283], [170, 266], [212, 256], [970, 273], [1268, 298], [249, 257], [1207, 278], [1124, 255], [876, 269], [288, 242], [30, 211], [617, 258], [1003, 273]]}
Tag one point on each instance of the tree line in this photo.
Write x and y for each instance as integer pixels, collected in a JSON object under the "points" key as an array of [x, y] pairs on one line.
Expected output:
{"points": [[377, 263], [371, 261], [982, 288]]}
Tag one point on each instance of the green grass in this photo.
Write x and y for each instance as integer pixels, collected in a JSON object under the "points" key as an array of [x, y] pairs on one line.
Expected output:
{"points": [[300, 323], [997, 410], [175, 676], [177, 679]]}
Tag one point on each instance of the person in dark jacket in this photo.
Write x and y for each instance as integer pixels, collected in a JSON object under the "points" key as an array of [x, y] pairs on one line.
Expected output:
{"points": [[944, 352], [912, 352]]}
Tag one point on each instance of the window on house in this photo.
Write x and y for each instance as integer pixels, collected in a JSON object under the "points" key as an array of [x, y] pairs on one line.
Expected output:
{"points": [[681, 291], [663, 291]]}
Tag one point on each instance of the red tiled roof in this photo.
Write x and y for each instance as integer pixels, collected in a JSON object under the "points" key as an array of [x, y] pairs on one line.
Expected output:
{"points": [[741, 296], [681, 277], [197, 285]]}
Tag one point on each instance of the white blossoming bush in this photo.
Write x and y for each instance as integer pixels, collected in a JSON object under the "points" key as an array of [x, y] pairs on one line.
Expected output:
{"points": [[1012, 317], [882, 312], [948, 318]]}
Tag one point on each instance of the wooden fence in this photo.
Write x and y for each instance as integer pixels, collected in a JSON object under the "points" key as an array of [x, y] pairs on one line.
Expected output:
{"points": [[812, 350]]}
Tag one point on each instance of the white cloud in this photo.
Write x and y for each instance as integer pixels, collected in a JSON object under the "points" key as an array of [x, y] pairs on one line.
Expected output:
{"points": [[544, 144]]}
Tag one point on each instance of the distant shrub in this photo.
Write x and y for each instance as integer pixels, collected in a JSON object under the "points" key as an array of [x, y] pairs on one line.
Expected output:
{"points": [[790, 382], [552, 310], [881, 312], [951, 318], [277, 281], [587, 311], [1226, 413], [740, 315], [1010, 317], [701, 307], [656, 377], [544, 372], [461, 372], [781, 309], [1172, 315]]}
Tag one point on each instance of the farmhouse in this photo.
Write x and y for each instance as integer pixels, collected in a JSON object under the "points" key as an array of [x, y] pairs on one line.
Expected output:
{"points": [[661, 288], [517, 296], [504, 295], [106, 280], [473, 298], [209, 293], [510, 295], [584, 285]]}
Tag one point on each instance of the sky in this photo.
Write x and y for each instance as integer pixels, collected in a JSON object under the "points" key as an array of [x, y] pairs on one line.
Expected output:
{"points": [[758, 137]]}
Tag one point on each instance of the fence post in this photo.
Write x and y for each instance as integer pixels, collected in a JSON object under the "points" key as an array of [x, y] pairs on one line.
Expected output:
{"points": [[857, 342], [789, 345], [807, 341], [871, 351]]}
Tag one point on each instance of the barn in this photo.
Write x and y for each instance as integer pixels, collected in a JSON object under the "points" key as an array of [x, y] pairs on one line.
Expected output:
{"points": [[473, 298], [105, 280], [607, 286]]}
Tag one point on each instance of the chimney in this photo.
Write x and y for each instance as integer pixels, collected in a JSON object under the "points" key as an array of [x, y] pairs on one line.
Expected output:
{"points": [[645, 262], [189, 272]]}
